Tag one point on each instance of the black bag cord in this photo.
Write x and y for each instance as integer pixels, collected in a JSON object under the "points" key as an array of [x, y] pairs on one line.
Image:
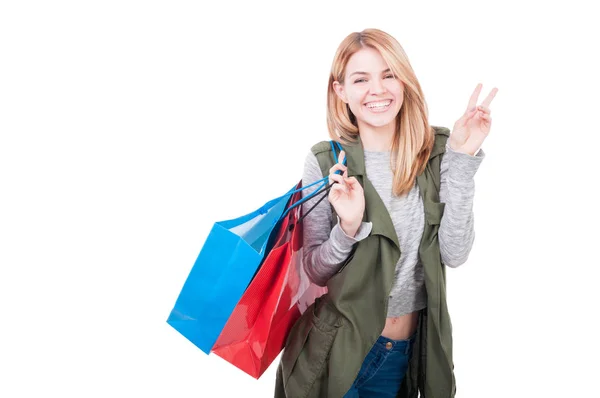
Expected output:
{"points": [[324, 190]]}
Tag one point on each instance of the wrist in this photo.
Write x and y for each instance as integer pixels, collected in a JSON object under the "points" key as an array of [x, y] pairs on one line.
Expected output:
{"points": [[351, 228], [466, 151]]}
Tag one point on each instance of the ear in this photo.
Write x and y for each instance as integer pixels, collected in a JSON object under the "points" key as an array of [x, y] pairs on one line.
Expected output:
{"points": [[339, 90]]}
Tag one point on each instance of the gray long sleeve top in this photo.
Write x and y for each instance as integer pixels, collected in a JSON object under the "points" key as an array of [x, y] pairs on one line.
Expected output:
{"points": [[326, 248]]}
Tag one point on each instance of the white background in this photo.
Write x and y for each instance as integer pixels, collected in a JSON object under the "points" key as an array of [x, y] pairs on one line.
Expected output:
{"points": [[128, 128]]}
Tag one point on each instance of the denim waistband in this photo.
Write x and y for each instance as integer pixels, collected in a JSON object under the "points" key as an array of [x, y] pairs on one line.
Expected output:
{"points": [[383, 343]]}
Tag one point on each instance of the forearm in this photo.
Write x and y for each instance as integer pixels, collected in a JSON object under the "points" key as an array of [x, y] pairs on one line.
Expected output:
{"points": [[322, 261], [457, 191]]}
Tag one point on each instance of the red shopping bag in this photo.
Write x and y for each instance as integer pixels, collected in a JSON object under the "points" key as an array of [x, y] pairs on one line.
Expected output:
{"points": [[280, 292]]}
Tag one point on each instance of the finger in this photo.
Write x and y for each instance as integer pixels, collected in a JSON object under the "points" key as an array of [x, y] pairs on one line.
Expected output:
{"points": [[341, 157], [467, 116], [351, 181], [338, 188], [487, 121], [336, 178], [474, 96], [336, 174], [484, 109], [337, 167], [487, 101], [353, 185]]}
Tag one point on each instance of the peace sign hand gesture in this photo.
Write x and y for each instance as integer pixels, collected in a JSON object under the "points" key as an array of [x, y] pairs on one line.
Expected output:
{"points": [[473, 127]]}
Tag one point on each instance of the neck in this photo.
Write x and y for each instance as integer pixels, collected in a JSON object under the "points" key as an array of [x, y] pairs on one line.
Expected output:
{"points": [[377, 138]]}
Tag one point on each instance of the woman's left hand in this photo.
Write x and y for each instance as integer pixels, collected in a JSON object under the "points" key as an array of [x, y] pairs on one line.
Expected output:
{"points": [[473, 127]]}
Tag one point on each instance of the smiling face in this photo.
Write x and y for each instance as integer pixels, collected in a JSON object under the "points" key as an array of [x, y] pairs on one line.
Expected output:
{"points": [[370, 89]]}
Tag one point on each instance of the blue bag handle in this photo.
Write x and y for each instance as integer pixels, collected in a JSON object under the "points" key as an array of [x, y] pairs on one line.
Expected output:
{"points": [[319, 190], [265, 208]]}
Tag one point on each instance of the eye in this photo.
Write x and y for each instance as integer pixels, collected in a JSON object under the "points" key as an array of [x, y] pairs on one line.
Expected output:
{"points": [[389, 76], [360, 80]]}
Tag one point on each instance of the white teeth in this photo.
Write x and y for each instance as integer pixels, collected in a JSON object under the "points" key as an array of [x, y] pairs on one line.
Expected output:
{"points": [[378, 104]]}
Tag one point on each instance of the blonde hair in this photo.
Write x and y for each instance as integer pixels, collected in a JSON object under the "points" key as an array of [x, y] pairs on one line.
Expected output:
{"points": [[414, 137]]}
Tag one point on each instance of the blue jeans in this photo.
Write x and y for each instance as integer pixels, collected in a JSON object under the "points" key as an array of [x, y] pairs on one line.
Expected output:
{"points": [[383, 369]]}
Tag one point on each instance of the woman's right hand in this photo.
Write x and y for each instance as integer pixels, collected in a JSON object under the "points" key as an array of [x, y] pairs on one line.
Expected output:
{"points": [[347, 197]]}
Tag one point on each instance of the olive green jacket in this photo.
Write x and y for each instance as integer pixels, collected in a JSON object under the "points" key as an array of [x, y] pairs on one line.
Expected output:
{"points": [[327, 345]]}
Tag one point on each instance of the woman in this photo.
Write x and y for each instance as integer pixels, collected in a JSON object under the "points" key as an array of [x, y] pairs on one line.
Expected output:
{"points": [[395, 217]]}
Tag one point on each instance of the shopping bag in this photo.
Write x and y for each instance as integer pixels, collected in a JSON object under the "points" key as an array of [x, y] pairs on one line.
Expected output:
{"points": [[229, 258], [228, 261], [281, 291]]}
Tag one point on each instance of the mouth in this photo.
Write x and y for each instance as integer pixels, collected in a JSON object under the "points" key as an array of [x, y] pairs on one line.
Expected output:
{"points": [[378, 106]]}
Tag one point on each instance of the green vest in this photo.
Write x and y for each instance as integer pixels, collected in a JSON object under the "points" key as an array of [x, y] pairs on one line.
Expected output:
{"points": [[327, 345]]}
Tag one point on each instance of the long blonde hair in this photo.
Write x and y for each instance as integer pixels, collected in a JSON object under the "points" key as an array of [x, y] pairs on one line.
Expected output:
{"points": [[414, 137]]}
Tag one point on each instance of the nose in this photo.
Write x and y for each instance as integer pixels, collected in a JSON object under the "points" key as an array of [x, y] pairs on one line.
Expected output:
{"points": [[377, 86]]}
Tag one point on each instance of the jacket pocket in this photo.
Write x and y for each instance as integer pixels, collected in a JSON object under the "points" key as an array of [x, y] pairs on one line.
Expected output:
{"points": [[304, 363], [434, 212]]}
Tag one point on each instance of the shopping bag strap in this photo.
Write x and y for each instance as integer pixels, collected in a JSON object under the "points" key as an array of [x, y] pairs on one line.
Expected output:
{"points": [[321, 190], [324, 191]]}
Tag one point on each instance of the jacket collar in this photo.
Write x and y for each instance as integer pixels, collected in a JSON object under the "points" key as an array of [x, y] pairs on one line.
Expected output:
{"points": [[355, 158]]}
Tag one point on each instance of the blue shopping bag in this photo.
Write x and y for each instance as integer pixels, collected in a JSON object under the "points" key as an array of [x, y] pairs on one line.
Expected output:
{"points": [[229, 259]]}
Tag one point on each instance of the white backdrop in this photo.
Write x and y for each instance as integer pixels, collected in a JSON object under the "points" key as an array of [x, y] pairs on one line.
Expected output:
{"points": [[129, 127]]}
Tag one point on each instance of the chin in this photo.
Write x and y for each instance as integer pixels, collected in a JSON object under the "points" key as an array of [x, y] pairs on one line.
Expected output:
{"points": [[378, 122]]}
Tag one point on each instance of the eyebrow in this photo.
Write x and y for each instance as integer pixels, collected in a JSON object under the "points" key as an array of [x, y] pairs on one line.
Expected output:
{"points": [[365, 73]]}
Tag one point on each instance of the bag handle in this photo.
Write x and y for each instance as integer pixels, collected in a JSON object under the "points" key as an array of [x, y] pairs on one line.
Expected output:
{"points": [[321, 190], [269, 204]]}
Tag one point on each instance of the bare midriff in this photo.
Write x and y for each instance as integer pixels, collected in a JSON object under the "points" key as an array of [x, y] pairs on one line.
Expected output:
{"points": [[402, 327]]}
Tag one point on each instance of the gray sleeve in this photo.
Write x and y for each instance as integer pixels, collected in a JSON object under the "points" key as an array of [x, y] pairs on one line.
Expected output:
{"points": [[324, 248], [457, 189]]}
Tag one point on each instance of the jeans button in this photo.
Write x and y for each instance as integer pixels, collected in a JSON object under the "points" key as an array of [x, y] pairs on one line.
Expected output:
{"points": [[388, 345]]}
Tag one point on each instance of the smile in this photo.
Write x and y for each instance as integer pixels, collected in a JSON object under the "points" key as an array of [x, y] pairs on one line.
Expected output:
{"points": [[378, 106]]}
